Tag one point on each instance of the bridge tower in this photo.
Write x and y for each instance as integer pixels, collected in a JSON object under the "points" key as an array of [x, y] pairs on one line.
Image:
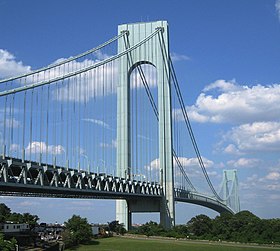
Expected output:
{"points": [[155, 54], [229, 189]]}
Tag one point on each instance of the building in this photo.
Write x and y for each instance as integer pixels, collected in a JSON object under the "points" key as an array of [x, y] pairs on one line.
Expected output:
{"points": [[10, 227]]}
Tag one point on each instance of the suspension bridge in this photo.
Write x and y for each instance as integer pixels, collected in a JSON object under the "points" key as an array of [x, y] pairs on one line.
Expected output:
{"points": [[109, 123]]}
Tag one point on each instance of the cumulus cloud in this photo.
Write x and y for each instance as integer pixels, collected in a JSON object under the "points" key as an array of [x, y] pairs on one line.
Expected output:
{"points": [[229, 102], [273, 176], [257, 136], [98, 82], [262, 184], [244, 163], [41, 147], [185, 162], [101, 81], [9, 66], [222, 85], [193, 162], [150, 76], [232, 149]]}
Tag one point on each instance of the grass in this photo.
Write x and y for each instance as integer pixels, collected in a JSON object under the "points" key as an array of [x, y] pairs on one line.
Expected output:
{"points": [[128, 244]]}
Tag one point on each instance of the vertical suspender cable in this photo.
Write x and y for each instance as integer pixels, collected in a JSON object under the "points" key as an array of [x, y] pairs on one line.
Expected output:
{"points": [[47, 125], [41, 123], [4, 136], [173, 75], [23, 129], [13, 108], [30, 125], [79, 121]]}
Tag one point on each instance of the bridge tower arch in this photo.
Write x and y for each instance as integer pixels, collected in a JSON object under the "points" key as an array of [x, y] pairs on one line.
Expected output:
{"points": [[155, 54]]}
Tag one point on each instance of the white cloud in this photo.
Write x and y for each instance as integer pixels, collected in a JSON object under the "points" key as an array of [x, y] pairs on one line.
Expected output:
{"points": [[261, 185], [187, 163], [244, 162], [195, 116], [154, 165], [258, 136], [232, 149], [193, 162], [98, 82], [222, 85], [277, 7], [273, 176], [9, 66], [97, 122], [232, 103], [37, 147], [178, 57], [150, 74]]}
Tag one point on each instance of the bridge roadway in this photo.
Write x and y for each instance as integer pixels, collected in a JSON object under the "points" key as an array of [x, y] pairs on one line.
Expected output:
{"points": [[31, 179]]}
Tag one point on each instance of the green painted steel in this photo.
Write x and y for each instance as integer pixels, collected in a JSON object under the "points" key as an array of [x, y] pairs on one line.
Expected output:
{"points": [[152, 52], [229, 190]]}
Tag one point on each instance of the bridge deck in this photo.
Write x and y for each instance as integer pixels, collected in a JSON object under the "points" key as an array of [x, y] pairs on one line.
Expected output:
{"points": [[30, 179]]}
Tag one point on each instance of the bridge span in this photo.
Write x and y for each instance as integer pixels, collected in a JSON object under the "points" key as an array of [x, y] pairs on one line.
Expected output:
{"points": [[109, 123]]}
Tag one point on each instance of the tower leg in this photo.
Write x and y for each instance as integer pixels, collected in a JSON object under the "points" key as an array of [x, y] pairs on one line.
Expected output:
{"points": [[123, 214]]}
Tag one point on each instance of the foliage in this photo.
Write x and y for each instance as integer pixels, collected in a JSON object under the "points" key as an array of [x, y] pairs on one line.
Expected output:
{"points": [[77, 231], [200, 225], [115, 226], [7, 215], [7, 245], [243, 227], [4, 212], [151, 229], [23, 218]]}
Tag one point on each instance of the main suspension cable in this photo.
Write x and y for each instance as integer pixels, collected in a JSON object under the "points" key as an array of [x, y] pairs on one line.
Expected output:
{"points": [[151, 99], [77, 72], [186, 118], [64, 61]]}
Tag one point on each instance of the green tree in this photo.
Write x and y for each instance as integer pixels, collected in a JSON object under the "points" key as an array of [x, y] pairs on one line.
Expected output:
{"points": [[7, 245], [200, 225], [15, 217], [4, 212], [151, 229], [30, 219], [78, 231], [24, 218], [116, 227], [68, 238], [179, 231], [221, 227], [245, 227]]}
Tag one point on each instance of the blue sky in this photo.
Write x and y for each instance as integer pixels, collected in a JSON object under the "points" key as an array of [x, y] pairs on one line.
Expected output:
{"points": [[226, 55]]}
